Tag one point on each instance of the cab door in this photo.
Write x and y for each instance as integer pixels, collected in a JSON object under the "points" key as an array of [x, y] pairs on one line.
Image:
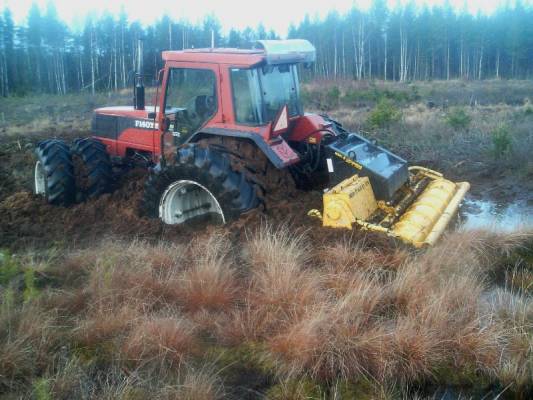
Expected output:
{"points": [[191, 98]]}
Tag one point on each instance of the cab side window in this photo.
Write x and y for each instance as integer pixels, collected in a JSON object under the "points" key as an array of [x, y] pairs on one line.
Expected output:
{"points": [[190, 98], [246, 96]]}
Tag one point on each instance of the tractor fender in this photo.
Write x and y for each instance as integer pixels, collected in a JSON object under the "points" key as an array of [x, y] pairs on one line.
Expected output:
{"points": [[280, 154]]}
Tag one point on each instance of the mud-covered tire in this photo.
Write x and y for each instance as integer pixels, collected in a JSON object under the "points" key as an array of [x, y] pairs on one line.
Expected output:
{"points": [[211, 169], [96, 168], [54, 173]]}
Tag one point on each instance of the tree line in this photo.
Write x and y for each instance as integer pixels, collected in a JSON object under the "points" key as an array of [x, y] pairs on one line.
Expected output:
{"points": [[404, 43]]}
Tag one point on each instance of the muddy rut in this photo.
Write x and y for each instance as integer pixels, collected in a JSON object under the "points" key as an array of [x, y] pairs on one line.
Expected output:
{"points": [[27, 220]]}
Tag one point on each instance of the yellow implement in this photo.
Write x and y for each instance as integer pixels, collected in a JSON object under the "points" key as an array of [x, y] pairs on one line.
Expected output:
{"points": [[350, 200], [418, 216]]}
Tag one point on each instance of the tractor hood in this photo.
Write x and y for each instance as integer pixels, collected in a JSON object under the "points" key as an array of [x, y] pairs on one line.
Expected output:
{"points": [[114, 122], [128, 111]]}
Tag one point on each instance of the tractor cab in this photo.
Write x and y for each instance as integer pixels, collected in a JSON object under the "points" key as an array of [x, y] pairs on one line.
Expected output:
{"points": [[244, 89]]}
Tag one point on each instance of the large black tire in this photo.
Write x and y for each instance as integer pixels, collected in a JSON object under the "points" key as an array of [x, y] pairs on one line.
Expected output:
{"points": [[54, 173], [210, 168], [95, 174]]}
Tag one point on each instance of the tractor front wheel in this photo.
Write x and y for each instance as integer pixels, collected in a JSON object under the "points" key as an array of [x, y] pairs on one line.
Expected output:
{"points": [[54, 173], [200, 186]]}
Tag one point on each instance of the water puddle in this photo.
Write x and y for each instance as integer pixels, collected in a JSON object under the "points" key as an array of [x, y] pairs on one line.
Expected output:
{"points": [[484, 213]]}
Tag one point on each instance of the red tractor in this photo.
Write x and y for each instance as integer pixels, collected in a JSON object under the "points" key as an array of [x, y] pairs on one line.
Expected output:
{"points": [[227, 130]]}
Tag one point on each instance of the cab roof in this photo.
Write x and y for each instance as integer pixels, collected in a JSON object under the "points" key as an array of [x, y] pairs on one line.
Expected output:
{"points": [[217, 55], [268, 51]]}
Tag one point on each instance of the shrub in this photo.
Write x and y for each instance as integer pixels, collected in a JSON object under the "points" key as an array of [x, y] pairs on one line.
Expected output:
{"points": [[9, 268], [458, 118], [415, 93], [322, 98], [41, 389], [375, 95], [384, 115], [501, 141], [332, 96], [306, 96], [30, 290], [353, 96]]}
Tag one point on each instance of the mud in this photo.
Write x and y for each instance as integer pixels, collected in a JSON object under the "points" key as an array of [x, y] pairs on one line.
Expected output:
{"points": [[501, 186], [27, 221], [498, 199], [17, 159]]}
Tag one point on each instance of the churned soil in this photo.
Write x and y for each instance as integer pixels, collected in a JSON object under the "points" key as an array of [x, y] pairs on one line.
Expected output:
{"points": [[27, 221]]}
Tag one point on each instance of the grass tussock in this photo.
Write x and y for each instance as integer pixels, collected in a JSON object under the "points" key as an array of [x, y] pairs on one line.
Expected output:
{"points": [[165, 338], [210, 283], [271, 310]]}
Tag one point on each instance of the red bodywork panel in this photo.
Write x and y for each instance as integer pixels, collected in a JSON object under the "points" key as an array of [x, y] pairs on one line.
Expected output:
{"points": [[125, 129], [309, 126], [132, 130]]}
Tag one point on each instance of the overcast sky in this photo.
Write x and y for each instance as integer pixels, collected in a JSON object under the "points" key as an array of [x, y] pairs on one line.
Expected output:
{"points": [[276, 14]]}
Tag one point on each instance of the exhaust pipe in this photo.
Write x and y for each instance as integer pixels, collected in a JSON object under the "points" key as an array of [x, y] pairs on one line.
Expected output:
{"points": [[138, 90]]}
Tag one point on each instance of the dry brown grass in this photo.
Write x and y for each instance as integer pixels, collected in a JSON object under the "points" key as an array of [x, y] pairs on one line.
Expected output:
{"points": [[199, 384], [167, 339], [105, 324], [210, 283], [280, 288], [27, 341], [346, 312], [408, 324]]}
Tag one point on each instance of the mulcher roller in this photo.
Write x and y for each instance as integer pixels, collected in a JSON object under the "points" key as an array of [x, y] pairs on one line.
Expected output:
{"points": [[427, 218]]}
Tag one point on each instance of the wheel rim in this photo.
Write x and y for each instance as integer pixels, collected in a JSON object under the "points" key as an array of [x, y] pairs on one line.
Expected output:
{"points": [[184, 200], [40, 179]]}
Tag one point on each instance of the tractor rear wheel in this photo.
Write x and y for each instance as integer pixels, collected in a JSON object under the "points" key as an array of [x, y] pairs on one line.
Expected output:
{"points": [[94, 173], [54, 173], [275, 185], [201, 185]]}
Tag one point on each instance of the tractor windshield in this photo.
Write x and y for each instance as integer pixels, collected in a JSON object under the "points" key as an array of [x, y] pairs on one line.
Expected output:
{"points": [[259, 93]]}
